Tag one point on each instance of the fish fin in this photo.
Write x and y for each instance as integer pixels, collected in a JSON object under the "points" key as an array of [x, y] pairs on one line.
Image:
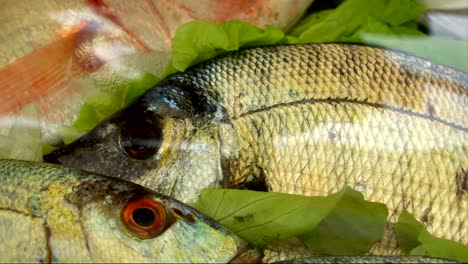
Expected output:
{"points": [[42, 72]]}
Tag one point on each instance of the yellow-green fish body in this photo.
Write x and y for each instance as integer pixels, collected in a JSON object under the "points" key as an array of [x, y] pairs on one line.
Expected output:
{"points": [[50, 213], [365, 259], [305, 119]]}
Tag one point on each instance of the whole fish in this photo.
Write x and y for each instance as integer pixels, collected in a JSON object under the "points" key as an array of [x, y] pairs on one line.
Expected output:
{"points": [[49, 213], [301, 119]]}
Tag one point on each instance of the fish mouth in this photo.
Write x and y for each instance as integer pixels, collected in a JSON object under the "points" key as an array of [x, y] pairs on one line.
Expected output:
{"points": [[247, 255]]}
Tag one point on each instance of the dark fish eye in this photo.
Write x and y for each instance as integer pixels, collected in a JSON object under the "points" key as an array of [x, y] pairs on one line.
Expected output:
{"points": [[140, 142], [143, 217]]}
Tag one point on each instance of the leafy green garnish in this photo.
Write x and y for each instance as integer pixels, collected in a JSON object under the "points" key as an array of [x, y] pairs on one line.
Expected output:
{"points": [[414, 239], [199, 41], [47, 148], [390, 24], [103, 104], [341, 223], [350, 228], [138, 87], [356, 15]]}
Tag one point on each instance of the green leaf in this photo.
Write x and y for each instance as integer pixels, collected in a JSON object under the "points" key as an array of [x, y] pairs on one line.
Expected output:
{"points": [[138, 87], [70, 133], [87, 117], [350, 228], [198, 41], [312, 19], [414, 239], [244, 35], [389, 24], [46, 149], [261, 217], [397, 12], [99, 107], [407, 231], [103, 104], [343, 22]]}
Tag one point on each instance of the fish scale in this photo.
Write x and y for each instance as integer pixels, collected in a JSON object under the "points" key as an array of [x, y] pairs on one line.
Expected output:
{"points": [[364, 78], [50, 213], [310, 119], [328, 164]]}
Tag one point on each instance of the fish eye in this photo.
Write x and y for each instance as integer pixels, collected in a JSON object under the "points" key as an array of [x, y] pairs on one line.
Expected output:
{"points": [[143, 217], [140, 142]]}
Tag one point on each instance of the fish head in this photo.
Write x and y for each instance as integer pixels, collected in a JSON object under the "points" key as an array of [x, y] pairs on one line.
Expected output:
{"points": [[166, 141], [125, 222]]}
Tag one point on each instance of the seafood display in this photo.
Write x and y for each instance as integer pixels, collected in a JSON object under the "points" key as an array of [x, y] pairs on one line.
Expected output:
{"points": [[263, 131], [304, 119]]}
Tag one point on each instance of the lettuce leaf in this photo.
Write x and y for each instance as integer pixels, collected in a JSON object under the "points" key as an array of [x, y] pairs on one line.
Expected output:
{"points": [[414, 239], [103, 104], [353, 15], [138, 87], [389, 24], [350, 228], [341, 223], [199, 41]]}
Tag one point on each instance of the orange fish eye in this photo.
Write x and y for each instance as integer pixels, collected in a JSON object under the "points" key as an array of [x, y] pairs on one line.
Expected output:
{"points": [[143, 217]]}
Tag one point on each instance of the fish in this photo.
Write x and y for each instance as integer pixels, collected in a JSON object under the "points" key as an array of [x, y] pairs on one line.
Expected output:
{"points": [[50, 213], [63, 52], [366, 259], [305, 119]]}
